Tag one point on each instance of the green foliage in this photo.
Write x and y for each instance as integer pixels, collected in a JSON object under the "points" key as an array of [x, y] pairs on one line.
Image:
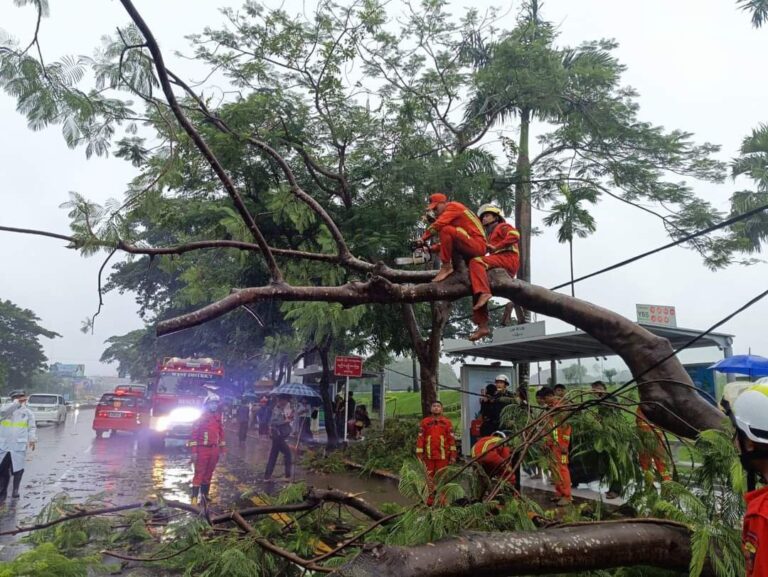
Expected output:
{"points": [[386, 449], [21, 354], [46, 561]]}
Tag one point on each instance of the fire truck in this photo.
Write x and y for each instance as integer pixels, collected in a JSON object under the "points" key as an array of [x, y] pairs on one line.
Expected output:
{"points": [[176, 396]]}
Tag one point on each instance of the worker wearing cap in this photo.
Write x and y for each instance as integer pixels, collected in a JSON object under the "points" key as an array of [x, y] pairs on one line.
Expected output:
{"points": [[206, 443], [457, 228], [493, 454], [503, 253], [17, 432]]}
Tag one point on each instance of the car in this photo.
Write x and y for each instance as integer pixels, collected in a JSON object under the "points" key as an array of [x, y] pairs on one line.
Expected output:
{"points": [[118, 412], [48, 407], [132, 389]]}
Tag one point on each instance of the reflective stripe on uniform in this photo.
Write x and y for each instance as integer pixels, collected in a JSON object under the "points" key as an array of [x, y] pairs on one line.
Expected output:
{"points": [[16, 424], [476, 221], [481, 260]]}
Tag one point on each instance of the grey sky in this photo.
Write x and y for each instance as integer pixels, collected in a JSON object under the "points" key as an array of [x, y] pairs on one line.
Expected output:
{"points": [[694, 62]]}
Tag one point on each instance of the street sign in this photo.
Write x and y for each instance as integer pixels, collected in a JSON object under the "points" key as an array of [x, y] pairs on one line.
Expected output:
{"points": [[348, 367], [661, 315]]}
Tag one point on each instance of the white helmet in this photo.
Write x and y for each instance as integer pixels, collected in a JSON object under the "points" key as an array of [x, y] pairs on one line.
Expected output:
{"points": [[212, 398], [488, 207], [750, 413], [502, 378], [500, 434]]}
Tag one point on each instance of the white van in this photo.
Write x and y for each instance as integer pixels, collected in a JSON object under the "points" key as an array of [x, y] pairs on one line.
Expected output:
{"points": [[48, 408]]}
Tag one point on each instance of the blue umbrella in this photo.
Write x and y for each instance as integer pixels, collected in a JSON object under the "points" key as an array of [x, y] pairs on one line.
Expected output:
{"points": [[752, 365], [295, 390]]}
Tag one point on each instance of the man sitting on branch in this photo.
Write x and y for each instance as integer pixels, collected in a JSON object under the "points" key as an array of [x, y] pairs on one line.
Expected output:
{"points": [[503, 253], [457, 228]]}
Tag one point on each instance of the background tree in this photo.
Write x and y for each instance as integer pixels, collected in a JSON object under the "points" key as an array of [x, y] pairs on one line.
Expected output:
{"points": [[609, 375], [21, 354], [575, 374], [572, 218]]}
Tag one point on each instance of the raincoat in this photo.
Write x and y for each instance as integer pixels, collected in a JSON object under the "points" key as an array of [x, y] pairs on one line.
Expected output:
{"points": [[17, 430]]}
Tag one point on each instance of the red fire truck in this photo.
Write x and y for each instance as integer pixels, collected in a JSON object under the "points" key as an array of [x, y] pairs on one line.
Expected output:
{"points": [[177, 394]]}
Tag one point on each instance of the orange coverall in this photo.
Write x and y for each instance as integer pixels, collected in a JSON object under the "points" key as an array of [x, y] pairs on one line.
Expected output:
{"points": [[502, 245], [206, 443], [436, 445], [458, 227], [754, 537], [656, 456], [558, 443], [494, 460]]}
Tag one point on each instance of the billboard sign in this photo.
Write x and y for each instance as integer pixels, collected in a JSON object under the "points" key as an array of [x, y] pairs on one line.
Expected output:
{"points": [[660, 315], [64, 370]]}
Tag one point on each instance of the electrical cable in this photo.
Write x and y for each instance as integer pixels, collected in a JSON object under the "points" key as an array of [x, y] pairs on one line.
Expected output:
{"points": [[681, 240]]}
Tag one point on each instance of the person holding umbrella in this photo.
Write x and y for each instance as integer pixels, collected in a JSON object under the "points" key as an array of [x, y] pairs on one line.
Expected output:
{"points": [[279, 431]]}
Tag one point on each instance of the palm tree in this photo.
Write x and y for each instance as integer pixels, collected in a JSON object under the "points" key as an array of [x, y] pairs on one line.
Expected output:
{"points": [[759, 9], [574, 220]]}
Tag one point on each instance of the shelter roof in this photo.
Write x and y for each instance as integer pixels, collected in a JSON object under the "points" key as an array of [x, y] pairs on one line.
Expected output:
{"points": [[509, 346]]}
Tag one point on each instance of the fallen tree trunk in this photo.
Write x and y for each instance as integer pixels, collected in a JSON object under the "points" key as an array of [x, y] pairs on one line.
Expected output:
{"points": [[563, 550]]}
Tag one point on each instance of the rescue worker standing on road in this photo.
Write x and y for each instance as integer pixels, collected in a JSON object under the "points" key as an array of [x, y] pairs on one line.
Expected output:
{"points": [[457, 228], [206, 443], [435, 445], [749, 413], [503, 253], [557, 442], [17, 432]]}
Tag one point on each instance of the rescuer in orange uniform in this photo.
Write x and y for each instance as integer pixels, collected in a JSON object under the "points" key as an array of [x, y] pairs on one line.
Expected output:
{"points": [[457, 228], [435, 445], [749, 413], [656, 455], [206, 443], [494, 459], [557, 442], [503, 253]]}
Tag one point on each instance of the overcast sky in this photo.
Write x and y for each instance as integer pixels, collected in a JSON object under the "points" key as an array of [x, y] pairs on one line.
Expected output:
{"points": [[697, 66]]}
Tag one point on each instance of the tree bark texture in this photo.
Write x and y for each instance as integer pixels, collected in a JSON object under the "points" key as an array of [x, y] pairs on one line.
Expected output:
{"points": [[523, 221], [666, 389], [561, 550]]}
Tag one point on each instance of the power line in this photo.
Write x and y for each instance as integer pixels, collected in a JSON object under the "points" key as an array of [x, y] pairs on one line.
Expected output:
{"points": [[645, 254]]}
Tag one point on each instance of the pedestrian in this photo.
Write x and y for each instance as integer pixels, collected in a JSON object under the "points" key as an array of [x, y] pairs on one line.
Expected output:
{"points": [[435, 445], [265, 413], [502, 252], [749, 413], [17, 432], [457, 228], [338, 413], [652, 451], [495, 457], [243, 420], [303, 414], [560, 390], [359, 421], [206, 443], [279, 431], [557, 444], [490, 411], [351, 404]]}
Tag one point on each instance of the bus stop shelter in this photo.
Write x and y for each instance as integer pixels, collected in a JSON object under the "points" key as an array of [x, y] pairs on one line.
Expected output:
{"points": [[529, 344]]}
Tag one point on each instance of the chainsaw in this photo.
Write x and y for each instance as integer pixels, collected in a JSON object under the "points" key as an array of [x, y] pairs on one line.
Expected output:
{"points": [[420, 254]]}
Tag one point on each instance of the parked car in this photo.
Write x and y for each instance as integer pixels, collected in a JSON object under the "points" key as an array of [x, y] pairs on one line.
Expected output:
{"points": [[48, 408], [118, 412]]}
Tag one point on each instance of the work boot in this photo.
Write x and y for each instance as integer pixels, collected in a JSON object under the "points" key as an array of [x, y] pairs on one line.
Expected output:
{"points": [[195, 493], [204, 490], [445, 271], [480, 333], [482, 300], [16, 483]]}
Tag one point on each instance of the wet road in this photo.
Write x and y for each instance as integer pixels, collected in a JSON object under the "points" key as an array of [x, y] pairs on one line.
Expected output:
{"points": [[70, 460]]}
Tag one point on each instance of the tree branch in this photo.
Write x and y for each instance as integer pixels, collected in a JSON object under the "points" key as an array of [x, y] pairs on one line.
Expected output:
{"points": [[202, 146]]}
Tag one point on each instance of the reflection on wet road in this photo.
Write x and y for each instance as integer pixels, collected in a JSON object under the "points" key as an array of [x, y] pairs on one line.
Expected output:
{"points": [[69, 459]]}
